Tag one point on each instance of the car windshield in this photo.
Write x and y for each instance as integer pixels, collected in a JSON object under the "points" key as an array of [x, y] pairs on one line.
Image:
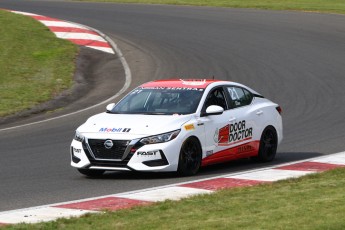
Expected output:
{"points": [[160, 101]]}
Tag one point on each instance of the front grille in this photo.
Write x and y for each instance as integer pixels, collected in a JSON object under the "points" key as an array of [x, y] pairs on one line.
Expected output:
{"points": [[101, 152]]}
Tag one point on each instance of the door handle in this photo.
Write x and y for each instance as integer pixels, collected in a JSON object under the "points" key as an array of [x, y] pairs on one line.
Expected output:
{"points": [[259, 112]]}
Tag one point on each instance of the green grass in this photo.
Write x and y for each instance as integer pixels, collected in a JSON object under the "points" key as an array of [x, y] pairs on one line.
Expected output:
{"points": [[326, 6], [35, 66], [313, 202]]}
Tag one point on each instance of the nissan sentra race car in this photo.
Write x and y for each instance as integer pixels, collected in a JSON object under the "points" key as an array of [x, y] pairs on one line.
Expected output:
{"points": [[178, 125]]}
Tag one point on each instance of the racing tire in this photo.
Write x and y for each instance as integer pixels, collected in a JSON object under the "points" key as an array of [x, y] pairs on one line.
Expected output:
{"points": [[190, 157], [91, 172], [268, 145]]}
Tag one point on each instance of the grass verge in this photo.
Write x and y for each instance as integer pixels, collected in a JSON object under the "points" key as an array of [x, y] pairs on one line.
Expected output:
{"points": [[312, 202], [35, 66], [325, 6]]}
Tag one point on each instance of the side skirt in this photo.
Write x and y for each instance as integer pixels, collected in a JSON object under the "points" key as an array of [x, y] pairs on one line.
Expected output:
{"points": [[250, 149]]}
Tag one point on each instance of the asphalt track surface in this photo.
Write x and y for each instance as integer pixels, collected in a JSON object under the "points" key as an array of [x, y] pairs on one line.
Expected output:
{"points": [[296, 59]]}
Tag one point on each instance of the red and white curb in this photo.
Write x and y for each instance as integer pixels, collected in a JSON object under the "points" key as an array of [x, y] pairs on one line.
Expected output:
{"points": [[76, 33], [172, 192]]}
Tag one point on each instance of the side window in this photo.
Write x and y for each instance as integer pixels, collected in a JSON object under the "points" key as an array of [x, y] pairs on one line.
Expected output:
{"points": [[248, 97], [239, 96], [216, 97]]}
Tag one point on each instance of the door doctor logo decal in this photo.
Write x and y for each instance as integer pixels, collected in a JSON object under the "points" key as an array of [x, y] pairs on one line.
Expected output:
{"points": [[233, 133], [114, 130]]}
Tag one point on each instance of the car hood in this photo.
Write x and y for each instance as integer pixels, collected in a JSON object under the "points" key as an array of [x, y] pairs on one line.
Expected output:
{"points": [[133, 124]]}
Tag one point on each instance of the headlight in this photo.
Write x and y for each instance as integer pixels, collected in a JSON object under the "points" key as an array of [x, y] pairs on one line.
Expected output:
{"points": [[78, 136], [160, 138]]}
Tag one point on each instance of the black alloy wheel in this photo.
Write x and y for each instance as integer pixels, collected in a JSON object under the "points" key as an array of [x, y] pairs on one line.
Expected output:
{"points": [[190, 157], [268, 145]]}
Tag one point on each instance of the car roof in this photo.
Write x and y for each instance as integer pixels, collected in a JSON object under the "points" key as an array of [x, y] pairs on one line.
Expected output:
{"points": [[179, 83]]}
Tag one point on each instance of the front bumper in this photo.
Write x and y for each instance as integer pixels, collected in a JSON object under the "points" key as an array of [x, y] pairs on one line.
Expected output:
{"points": [[161, 157]]}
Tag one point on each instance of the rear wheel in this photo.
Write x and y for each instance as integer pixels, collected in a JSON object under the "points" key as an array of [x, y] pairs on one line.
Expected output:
{"points": [[268, 145], [190, 157], [91, 172]]}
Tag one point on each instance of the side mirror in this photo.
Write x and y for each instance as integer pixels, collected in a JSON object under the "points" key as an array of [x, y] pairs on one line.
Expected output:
{"points": [[214, 110], [110, 107]]}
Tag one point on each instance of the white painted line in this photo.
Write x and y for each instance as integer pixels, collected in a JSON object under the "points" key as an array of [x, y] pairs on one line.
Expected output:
{"points": [[104, 49], [40, 215], [338, 159], [271, 175], [61, 24], [73, 35], [25, 13], [170, 193]]}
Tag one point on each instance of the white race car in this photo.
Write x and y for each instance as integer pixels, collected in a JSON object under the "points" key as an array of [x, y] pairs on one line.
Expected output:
{"points": [[178, 125]]}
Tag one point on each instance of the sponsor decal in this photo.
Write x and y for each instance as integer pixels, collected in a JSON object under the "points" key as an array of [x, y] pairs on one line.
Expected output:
{"points": [[114, 130], [174, 88], [175, 84], [209, 153], [232, 133], [75, 150], [189, 127], [148, 153], [245, 148], [238, 131], [193, 82]]}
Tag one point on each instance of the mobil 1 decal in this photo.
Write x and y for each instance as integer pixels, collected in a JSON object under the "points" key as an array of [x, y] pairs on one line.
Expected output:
{"points": [[233, 133]]}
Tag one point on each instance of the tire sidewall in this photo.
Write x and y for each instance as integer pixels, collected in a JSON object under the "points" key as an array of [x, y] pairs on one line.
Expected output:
{"points": [[262, 154], [183, 169]]}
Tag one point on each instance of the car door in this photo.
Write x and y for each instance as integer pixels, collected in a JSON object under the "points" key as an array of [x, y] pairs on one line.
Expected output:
{"points": [[216, 126], [242, 120], [232, 128], [244, 129]]}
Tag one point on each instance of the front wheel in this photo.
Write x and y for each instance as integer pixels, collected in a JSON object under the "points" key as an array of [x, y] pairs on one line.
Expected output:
{"points": [[190, 157], [268, 145], [91, 172]]}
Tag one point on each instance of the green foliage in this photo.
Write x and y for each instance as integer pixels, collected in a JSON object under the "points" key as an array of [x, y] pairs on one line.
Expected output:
{"points": [[35, 66]]}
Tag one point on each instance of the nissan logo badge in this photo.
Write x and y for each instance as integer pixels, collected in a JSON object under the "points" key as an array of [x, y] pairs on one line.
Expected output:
{"points": [[108, 144]]}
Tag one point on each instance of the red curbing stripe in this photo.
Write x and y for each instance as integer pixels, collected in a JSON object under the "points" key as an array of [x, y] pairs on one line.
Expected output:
{"points": [[108, 203], [71, 30], [311, 166], [222, 183], [44, 18], [86, 42]]}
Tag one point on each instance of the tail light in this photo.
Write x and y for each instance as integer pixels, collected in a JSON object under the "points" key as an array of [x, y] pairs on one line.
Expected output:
{"points": [[279, 109]]}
